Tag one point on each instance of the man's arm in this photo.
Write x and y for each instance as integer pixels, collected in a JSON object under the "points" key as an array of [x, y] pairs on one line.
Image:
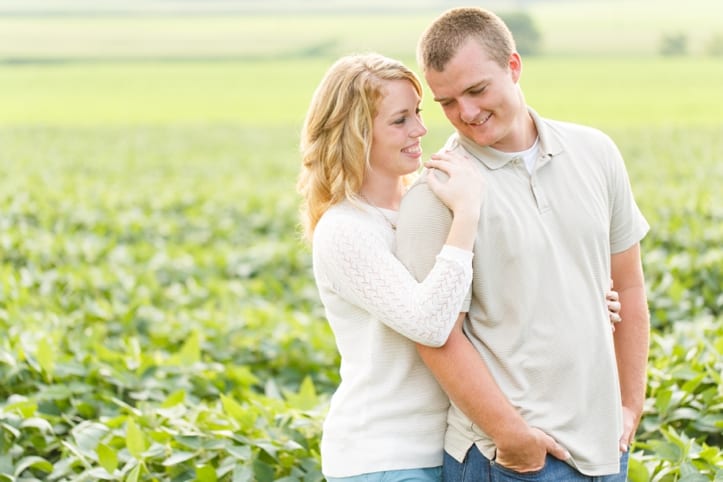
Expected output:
{"points": [[631, 337]]}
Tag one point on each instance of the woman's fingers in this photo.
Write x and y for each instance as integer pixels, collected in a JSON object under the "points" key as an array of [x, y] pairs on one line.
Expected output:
{"points": [[461, 185], [435, 164], [449, 162], [612, 296], [450, 156], [615, 317]]}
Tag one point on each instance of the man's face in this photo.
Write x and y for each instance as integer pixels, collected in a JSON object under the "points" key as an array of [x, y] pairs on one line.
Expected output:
{"points": [[481, 98]]}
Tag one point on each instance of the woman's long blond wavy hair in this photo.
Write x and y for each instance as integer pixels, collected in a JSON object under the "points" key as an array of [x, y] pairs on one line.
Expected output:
{"points": [[336, 137]]}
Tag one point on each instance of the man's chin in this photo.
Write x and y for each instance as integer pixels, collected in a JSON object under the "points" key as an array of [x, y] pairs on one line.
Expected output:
{"points": [[479, 139]]}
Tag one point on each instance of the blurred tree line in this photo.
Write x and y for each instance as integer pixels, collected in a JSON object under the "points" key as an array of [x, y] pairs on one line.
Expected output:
{"points": [[523, 28]]}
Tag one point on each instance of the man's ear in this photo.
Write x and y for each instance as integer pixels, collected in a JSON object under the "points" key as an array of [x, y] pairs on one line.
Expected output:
{"points": [[515, 65]]}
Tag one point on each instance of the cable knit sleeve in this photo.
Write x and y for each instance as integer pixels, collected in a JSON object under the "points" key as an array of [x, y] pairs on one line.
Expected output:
{"points": [[359, 265]]}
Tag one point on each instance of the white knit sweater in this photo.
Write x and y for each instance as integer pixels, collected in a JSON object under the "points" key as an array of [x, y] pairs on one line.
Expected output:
{"points": [[388, 413]]}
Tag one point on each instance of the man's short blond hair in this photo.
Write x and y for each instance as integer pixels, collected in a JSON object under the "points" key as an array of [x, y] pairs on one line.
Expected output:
{"points": [[443, 38]]}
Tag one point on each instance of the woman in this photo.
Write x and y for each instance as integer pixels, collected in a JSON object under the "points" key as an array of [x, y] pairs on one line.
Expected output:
{"points": [[361, 139]]}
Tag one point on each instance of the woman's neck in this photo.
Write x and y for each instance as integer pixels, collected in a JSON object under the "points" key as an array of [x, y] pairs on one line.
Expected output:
{"points": [[385, 194]]}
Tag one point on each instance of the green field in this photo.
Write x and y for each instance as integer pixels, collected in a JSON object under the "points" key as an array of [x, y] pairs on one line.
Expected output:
{"points": [[159, 319], [286, 28], [609, 92]]}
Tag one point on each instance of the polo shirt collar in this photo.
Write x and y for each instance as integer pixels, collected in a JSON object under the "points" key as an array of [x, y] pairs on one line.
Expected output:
{"points": [[550, 145]]}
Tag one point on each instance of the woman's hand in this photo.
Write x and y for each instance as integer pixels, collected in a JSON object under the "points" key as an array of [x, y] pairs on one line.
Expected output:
{"points": [[464, 190], [613, 302]]}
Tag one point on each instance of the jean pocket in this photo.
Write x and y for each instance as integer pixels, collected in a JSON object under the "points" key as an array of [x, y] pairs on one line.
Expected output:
{"points": [[500, 473]]}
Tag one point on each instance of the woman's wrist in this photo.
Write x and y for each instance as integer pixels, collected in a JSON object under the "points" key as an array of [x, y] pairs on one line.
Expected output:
{"points": [[467, 214]]}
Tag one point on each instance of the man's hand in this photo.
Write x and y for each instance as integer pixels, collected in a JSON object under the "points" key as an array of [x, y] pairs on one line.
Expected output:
{"points": [[629, 425], [528, 453]]}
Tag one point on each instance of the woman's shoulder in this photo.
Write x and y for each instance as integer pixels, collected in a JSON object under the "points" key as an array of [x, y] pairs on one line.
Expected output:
{"points": [[341, 218], [342, 212]]}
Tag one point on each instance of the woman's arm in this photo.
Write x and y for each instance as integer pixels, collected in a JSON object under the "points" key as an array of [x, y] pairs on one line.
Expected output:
{"points": [[362, 268]]}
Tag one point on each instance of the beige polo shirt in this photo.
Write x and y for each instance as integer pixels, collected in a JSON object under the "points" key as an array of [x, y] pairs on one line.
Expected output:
{"points": [[537, 312]]}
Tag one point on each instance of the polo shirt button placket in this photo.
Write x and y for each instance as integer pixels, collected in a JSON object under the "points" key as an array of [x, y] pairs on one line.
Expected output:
{"points": [[519, 166], [539, 195]]}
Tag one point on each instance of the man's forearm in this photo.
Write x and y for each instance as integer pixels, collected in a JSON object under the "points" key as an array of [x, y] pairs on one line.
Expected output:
{"points": [[632, 336]]}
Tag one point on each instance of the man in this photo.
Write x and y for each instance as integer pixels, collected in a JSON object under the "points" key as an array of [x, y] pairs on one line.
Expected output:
{"points": [[540, 384]]}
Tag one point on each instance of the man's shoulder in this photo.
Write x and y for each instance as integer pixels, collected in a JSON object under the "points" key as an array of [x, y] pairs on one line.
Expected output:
{"points": [[420, 190], [567, 131], [419, 184], [421, 206]]}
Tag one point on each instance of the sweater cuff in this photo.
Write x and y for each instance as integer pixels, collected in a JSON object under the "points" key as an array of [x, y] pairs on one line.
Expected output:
{"points": [[453, 253]]}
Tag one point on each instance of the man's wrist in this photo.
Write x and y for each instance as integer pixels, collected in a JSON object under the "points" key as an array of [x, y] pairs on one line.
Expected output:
{"points": [[512, 435]]}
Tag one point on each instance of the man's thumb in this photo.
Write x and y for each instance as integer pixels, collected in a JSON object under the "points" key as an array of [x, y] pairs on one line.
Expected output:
{"points": [[557, 450]]}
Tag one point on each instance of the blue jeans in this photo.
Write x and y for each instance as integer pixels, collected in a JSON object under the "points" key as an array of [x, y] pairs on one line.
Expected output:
{"points": [[476, 468], [431, 474]]}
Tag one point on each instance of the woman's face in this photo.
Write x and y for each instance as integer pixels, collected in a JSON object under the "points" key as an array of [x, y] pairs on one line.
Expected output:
{"points": [[396, 131]]}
